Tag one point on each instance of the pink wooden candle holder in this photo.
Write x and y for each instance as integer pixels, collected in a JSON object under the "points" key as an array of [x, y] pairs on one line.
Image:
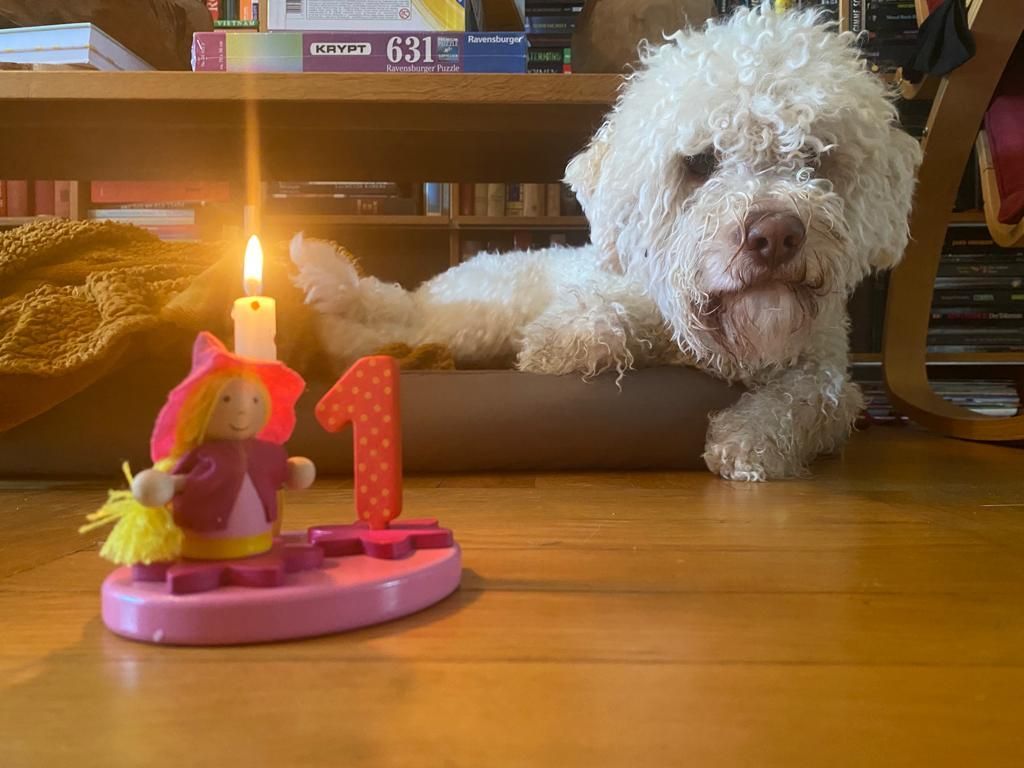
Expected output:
{"points": [[329, 579]]}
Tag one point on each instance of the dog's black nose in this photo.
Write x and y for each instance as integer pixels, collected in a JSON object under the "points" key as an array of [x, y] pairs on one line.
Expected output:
{"points": [[774, 238]]}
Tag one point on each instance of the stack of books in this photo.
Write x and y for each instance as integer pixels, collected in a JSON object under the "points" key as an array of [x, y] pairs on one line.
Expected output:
{"points": [[426, 36], [83, 46], [726, 7], [359, 198], [170, 210], [990, 397], [549, 25], [891, 31], [21, 198], [978, 304]]}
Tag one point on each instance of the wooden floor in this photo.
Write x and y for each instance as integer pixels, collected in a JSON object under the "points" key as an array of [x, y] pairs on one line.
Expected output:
{"points": [[872, 616]]}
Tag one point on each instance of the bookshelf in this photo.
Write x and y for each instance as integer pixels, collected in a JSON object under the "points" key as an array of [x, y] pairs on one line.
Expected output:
{"points": [[184, 125]]}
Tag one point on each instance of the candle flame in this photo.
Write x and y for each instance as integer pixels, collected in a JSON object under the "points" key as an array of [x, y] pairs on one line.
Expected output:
{"points": [[252, 269]]}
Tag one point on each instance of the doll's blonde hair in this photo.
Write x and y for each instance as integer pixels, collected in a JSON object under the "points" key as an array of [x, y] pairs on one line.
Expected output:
{"points": [[190, 431]]}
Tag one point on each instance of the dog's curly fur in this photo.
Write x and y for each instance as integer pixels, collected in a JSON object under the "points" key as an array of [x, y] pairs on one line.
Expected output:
{"points": [[759, 114]]}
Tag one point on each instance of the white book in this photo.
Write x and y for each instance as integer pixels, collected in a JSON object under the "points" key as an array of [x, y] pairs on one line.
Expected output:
{"points": [[366, 15], [70, 44]]}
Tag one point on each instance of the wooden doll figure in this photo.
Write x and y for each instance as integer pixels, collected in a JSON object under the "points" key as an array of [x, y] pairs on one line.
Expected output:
{"points": [[219, 456]]}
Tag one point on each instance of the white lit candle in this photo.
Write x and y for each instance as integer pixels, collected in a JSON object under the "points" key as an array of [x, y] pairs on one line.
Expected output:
{"points": [[255, 316]]}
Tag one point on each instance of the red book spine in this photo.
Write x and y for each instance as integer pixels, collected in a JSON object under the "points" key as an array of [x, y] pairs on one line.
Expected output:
{"points": [[17, 198], [466, 194], [214, 7], [3, 198], [44, 201]]}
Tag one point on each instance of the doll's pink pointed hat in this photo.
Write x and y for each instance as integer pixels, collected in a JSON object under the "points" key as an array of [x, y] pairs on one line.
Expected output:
{"points": [[210, 356]]}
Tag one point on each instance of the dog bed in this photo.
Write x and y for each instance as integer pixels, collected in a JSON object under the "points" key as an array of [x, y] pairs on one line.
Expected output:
{"points": [[453, 421]]}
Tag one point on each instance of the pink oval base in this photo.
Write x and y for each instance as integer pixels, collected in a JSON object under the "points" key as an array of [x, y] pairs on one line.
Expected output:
{"points": [[346, 593]]}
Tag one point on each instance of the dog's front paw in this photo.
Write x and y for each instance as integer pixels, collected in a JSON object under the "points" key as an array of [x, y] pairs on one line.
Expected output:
{"points": [[740, 455]]}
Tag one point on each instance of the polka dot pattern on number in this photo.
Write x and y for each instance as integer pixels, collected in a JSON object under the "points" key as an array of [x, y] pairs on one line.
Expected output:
{"points": [[366, 397]]}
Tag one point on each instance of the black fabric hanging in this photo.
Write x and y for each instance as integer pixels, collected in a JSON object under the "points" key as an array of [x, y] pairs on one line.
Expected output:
{"points": [[944, 42]]}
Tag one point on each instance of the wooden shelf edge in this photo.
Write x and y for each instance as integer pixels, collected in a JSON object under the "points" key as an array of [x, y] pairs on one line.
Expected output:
{"points": [[967, 217], [387, 88], [355, 220], [520, 222]]}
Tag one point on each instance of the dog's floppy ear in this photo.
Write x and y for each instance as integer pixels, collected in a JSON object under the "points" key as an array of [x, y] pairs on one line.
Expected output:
{"points": [[891, 175], [584, 175], [584, 171]]}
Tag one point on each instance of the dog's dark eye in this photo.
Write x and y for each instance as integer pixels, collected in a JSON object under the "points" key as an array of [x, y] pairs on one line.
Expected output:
{"points": [[702, 165]]}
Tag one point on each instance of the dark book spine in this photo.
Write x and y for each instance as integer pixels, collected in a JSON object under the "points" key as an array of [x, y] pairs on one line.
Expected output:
{"points": [[466, 199], [390, 206], [857, 16], [981, 270], [18, 197], [989, 300], [965, 315], [966, 258], [44, 203]]}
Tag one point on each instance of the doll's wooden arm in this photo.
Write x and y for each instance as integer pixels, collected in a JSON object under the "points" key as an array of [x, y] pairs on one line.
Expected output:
{"points": [[154, 488], [301, 473]]}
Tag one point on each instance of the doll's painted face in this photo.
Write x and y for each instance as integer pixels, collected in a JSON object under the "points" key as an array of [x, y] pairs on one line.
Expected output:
{"points": [[239, 413]]}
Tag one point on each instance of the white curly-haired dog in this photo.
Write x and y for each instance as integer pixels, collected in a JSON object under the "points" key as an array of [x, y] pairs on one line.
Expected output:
{"points": [[749, 176]]}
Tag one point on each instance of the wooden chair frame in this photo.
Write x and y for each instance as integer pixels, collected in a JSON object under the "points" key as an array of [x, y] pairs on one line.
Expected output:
{"points": [[1006, 235], [953, 124]]}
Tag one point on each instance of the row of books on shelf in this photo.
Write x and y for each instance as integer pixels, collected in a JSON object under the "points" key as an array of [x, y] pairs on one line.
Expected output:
{"points": [[433, 199], [530, 200], [386, 51], [345, 36], [21, 198], [169, 210], [990, 397], [888, 28], [977, 305]]}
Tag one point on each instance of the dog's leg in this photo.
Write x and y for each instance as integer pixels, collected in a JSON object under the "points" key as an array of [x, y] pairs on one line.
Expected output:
{"points": [[777, 429], [589, 332]]}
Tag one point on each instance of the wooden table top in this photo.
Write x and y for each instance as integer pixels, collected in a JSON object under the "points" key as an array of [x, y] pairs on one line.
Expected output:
{"points": [[869, 616]]}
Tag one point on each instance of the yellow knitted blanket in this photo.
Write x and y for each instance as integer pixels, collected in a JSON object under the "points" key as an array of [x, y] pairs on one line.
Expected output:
{"points": [[79, 298]]}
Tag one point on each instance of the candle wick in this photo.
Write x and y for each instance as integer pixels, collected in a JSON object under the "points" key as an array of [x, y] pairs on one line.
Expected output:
{"points": [[255, 304]]}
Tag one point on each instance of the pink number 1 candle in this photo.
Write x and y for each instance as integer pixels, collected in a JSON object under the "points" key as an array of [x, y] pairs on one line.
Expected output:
{"points": [[366, 397]]}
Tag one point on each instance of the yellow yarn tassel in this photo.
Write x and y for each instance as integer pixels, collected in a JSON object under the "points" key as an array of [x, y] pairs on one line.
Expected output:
{"points": [[141, 534]]}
